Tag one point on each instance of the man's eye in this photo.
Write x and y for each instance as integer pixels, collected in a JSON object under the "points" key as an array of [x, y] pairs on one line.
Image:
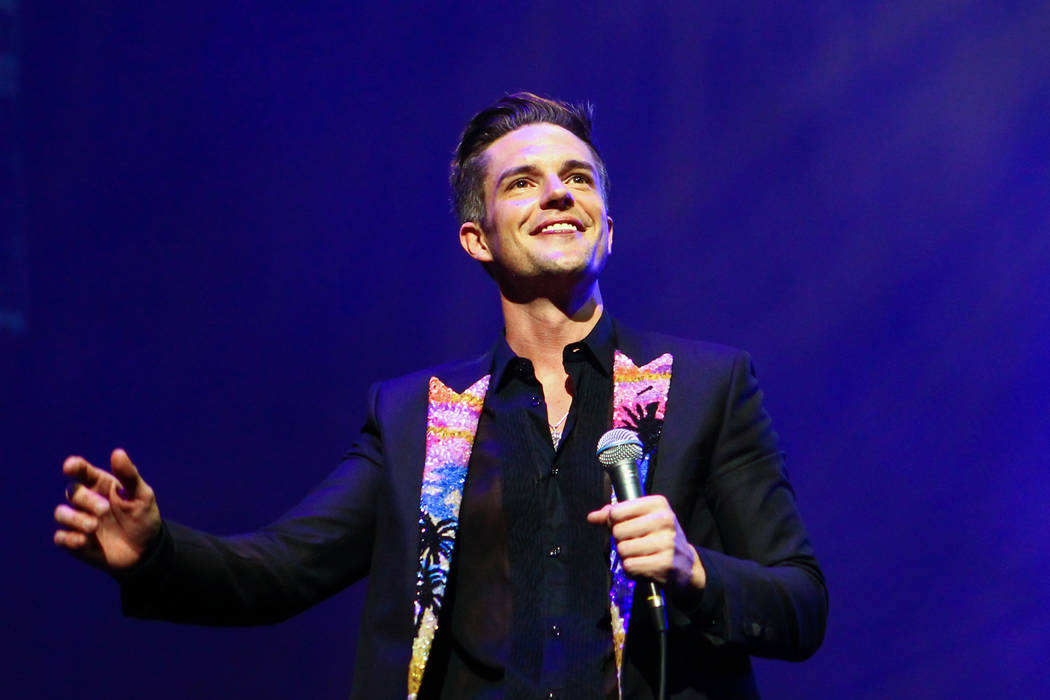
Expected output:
{"points": [[578, 179], [519, 183]]}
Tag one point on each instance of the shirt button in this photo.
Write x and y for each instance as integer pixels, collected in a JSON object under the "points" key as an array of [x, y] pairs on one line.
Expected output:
{"points": [[535, 401], [554, 551], [551, 695], [554, 470], [555, 631]]}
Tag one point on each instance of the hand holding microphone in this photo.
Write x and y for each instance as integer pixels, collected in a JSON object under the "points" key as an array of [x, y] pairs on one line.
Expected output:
{"points": [[649, 539]]}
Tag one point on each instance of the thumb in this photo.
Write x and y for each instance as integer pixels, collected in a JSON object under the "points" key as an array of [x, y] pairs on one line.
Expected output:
{"points": [[128, 476], [600, 516]]}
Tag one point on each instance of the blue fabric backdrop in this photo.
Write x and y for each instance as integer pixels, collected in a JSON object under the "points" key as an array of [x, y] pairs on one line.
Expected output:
{"points": [[236, 220]]}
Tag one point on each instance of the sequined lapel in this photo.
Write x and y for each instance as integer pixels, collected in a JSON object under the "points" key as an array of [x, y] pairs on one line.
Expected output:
{"points": [[452, 422]]}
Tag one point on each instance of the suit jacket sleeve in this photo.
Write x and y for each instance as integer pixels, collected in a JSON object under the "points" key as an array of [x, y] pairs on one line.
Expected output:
{"points": [[765, 593], [319, 547]]}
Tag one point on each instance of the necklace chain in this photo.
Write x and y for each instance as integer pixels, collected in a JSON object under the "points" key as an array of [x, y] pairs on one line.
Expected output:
{"points": [[556, 429]]}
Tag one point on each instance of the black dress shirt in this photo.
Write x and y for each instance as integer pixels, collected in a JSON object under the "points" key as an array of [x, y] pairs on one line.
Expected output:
{"points": [[526, 613]]}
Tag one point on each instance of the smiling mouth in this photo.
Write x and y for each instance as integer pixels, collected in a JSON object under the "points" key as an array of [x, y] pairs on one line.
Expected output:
{"points": [[559, 227]]}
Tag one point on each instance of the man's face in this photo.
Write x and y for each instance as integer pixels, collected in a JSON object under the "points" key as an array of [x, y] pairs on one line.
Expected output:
{"points": [[546, 214]]}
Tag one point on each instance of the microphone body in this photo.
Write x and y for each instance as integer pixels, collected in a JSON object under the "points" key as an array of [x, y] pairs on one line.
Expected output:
{"points": [[619, 451]]}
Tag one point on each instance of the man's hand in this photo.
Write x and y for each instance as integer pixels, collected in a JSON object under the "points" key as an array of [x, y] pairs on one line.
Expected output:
{"points": [[651, 542], [111, 516]]}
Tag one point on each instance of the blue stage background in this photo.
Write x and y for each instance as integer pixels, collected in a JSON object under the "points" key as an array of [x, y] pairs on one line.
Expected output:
{"points": [[236, 220]]}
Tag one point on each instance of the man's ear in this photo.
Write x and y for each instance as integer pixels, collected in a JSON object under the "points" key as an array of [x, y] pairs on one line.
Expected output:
{"points": [[608, 221], [472, 238]]}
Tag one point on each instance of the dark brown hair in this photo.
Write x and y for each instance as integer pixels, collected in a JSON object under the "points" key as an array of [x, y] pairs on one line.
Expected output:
{"points": [[467, 176]]}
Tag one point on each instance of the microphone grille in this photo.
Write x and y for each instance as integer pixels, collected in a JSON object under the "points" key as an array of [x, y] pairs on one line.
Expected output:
{"points": [[617, 445]]}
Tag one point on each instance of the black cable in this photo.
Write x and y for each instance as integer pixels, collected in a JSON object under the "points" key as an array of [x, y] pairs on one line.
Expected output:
{"points": [[659, 608], [662, 695]]}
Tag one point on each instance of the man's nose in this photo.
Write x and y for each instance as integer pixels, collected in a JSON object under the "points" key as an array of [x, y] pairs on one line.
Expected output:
{"points": [[555, 194]]}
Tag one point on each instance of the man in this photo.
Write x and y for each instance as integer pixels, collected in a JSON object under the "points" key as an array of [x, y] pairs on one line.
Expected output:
{"points": [[486, 539]]}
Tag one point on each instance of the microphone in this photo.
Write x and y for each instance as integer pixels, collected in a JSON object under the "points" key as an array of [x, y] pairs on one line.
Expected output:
{"points": [[619, 451]]}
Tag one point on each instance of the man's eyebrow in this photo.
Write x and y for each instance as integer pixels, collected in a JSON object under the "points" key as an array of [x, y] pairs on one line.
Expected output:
{"points": [[577, 165], [519, 170], [529, 169]]}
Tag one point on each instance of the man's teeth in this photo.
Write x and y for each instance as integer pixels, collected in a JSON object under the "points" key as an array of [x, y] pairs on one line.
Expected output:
{"points": [[560, 227]]}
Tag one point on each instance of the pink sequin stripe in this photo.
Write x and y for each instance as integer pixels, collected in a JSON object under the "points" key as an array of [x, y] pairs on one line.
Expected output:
{"points": [[639, 386], [452, 422]]}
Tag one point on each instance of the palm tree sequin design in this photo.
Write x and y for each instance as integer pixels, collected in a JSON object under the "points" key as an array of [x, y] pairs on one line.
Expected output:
{"points": [[436, 541]]}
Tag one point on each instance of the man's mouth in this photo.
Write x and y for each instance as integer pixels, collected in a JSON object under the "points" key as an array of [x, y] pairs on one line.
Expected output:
{"points": [[559, 227]]}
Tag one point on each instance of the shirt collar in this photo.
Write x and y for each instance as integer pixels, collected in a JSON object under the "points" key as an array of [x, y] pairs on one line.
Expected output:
{"points": [[599, 346]]}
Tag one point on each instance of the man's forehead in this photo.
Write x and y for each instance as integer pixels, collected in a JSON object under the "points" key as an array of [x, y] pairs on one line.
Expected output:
{"points": [[534, 142]]}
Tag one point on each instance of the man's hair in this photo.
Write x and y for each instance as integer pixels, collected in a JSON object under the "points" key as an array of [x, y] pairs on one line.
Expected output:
{"points": [[511, 112]]}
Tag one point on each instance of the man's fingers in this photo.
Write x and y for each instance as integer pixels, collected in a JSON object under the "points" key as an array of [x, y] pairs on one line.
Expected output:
{"points": [[87, 499], [661, 521], [81, 471], [625, 510], [653, 566], [75, 519], [70, 539], [628, 511], [125, 472], [644, 546]]}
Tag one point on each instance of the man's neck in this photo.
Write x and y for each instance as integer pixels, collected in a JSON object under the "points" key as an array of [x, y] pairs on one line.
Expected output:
{"points": [[540, 328]]}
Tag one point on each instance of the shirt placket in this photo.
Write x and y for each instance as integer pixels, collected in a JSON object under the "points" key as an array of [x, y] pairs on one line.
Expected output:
{"points": [[553, 538]]}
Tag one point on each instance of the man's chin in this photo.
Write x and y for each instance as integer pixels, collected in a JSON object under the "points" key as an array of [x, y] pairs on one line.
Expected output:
{"points": [[565, 271], [570, 265]]}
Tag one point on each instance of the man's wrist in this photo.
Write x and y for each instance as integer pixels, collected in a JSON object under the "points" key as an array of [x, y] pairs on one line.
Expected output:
{"points": [[698, 576]]}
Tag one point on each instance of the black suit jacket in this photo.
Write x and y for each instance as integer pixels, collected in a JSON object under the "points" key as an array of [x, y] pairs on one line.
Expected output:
{"points": [[717, 464]]}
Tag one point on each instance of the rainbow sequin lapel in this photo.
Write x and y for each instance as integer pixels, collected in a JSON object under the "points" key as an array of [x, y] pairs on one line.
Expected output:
{"points": [[452, 422], [639, 403]]}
